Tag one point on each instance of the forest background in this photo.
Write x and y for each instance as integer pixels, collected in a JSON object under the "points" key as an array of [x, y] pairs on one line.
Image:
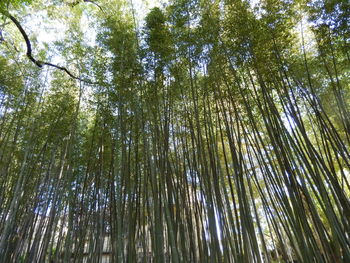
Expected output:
{"points": [[195, 131]]}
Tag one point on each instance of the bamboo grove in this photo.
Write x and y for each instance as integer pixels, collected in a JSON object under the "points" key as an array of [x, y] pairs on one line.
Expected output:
{"points": [[213, 131]]}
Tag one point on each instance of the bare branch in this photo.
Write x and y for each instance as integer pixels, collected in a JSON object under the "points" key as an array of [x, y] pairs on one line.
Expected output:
{"points": [[96, 4], [87, 1], [29, 54]]}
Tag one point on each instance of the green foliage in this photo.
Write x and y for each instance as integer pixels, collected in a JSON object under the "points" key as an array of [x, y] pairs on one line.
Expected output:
{"points": [[157, 34], [10, 80], [14, 3]]}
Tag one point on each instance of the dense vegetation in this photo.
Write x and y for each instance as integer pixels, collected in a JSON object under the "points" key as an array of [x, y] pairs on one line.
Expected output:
{"points": [[213, 131]]}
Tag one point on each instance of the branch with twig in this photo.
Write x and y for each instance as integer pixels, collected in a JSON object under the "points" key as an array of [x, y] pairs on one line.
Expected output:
{"points": [[29, 53], [86, 1]]}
